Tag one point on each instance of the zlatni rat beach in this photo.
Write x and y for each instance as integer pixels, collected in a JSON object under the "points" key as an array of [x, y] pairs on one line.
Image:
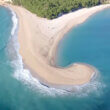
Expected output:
{"points": [[54, 55]]}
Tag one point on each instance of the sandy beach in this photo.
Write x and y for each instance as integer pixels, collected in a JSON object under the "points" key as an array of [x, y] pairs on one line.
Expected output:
{"points": [[38, 39]]}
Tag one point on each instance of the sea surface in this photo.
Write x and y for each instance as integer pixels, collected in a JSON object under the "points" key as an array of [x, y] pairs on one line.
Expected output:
{"points": [[87, 43]]}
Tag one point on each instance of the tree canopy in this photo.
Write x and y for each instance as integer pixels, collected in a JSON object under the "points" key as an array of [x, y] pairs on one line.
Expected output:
{"points": [[53, 8]]}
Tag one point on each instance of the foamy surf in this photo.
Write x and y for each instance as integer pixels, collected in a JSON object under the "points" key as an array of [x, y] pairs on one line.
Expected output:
{"points": [[25, 76]]}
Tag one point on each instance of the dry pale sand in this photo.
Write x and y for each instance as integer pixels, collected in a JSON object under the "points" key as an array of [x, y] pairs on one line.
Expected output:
{"points": [[5, 1], [39, 37]]}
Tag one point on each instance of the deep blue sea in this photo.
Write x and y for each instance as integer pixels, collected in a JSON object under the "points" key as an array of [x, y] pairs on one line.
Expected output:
{"points": [[87, 43]]}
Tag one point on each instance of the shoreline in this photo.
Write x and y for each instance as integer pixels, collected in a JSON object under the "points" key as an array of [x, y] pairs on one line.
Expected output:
{"points": [[67, 88], [47, 55], [55, 46]]}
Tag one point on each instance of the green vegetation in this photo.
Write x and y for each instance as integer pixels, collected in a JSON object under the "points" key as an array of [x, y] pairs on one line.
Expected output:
{"points": [[53, 8], [105, 1]]}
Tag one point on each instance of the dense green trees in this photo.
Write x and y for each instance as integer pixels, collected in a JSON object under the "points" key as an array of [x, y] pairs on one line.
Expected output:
{"points": [[53, 8]]}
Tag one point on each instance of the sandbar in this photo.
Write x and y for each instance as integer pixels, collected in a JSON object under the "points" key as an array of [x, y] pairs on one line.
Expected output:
{"points": [[39, 38]]}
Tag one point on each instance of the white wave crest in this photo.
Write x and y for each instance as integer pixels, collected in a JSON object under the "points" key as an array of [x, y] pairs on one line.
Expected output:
{"points": [[25, 76]]}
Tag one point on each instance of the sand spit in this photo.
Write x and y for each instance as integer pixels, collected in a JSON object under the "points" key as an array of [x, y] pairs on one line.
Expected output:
{"points": [[39, 37]]}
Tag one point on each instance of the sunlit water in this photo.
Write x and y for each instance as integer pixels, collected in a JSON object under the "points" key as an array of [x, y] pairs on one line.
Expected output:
{"points": [[87, 43]]}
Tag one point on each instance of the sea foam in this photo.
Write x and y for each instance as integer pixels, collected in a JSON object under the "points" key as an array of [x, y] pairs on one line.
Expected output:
{"points": [[25, 76]]}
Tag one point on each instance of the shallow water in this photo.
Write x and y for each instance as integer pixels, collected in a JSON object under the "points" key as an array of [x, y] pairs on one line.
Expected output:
{"points": [[20, 91], [89, 43]]}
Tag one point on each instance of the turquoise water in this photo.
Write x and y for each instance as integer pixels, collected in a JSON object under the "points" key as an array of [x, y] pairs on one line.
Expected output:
{"points": [[20, 91], [90, 43]]}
